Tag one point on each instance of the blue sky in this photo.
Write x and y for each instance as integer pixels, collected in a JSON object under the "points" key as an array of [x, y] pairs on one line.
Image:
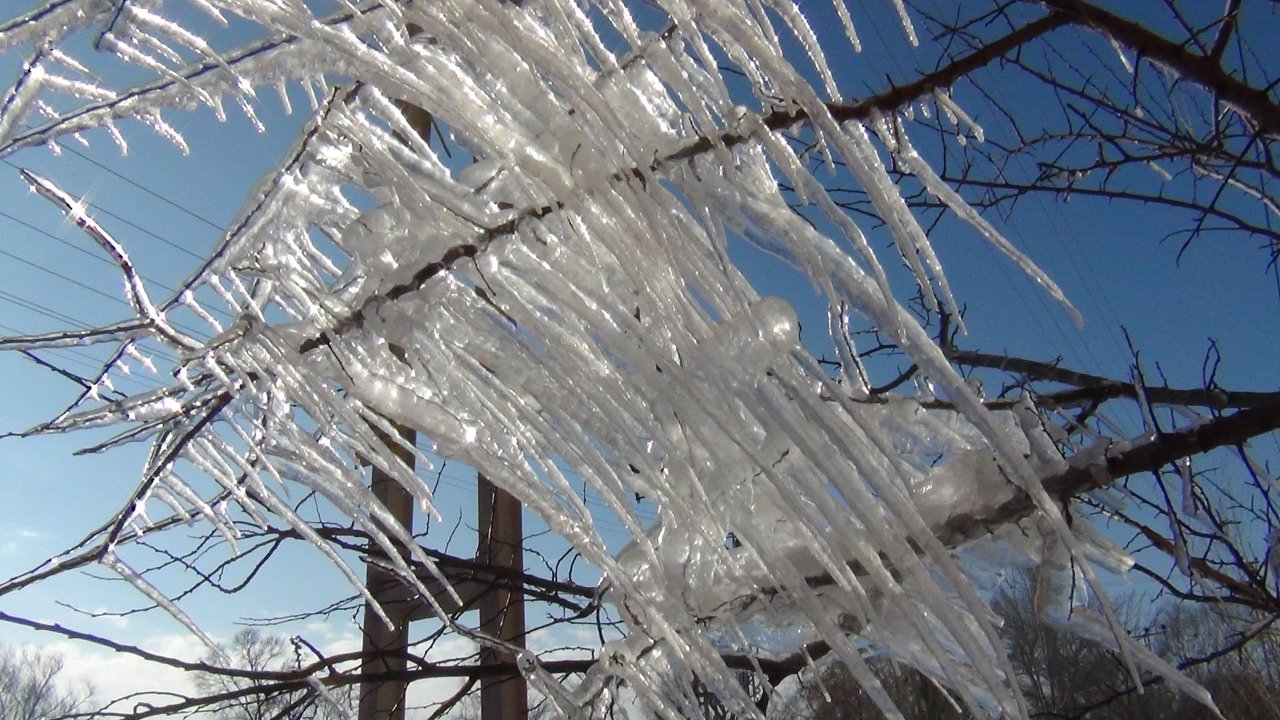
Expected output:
{"points": [[169, 210]]}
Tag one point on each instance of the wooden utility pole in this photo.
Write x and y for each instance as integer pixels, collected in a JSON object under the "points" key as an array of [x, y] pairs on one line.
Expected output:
{"points": [[386, 650], [501, 544]]}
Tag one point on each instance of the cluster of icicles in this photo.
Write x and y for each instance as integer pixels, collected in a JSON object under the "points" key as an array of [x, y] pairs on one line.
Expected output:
{"points": [[565, 304]]}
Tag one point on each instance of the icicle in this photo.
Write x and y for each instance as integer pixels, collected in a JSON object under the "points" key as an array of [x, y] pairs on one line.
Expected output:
{"points": [[958, 116], [906, 22], [282, 92], [1121, 54], [563, 312], [111, 561], [842, 9]]}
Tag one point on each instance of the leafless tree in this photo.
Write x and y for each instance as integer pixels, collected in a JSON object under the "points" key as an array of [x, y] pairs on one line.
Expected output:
{"points": [[1064, 676], [253, 650], [1190, 127], [34, 687]]}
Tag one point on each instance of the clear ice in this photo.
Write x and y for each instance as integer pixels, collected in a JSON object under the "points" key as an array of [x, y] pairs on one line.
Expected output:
{"points": [[566, 300]]}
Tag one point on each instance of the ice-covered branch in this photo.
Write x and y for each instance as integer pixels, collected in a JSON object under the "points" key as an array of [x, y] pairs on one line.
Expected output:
{"points": [[558, 306], [1095, 388], [120, 332], [1122, 460], [973, 510], [1206, 71], [203, 82], [863, 110]]}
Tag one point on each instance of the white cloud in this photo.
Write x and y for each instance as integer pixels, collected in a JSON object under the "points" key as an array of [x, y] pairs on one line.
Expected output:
{"points": [[13, 540], [115, 675]]}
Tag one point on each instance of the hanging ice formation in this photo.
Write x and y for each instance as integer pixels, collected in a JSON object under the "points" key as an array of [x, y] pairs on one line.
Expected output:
{"points": [[566, 301]]}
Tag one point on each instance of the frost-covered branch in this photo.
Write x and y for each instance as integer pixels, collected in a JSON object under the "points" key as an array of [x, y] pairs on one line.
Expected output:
{"points": [[559, 307]]}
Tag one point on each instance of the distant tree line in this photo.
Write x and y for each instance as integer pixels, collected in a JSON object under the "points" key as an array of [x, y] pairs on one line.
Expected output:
{"points": [[1234, 654], [32, 686]]}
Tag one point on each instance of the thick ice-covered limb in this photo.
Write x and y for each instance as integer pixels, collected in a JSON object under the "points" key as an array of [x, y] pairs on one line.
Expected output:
{"points": [[563, 314], [135, 292]]}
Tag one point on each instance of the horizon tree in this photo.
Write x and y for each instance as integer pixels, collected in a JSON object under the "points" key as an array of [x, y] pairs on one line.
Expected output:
{"points": [[33, 687]]}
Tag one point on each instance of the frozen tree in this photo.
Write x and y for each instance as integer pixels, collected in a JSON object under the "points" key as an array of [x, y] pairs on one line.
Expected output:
{"points": [[510, 229], [255, 651], [1065, 676], [34, 687]]}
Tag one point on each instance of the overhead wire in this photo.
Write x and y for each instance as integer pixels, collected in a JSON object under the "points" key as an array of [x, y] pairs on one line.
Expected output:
{"points": [[153, 193], [42, 309], [1078, 263], [76, 248], [150, 192], [89, 288], [123, 220], [1081, 267], [454, 481], [213, 308], [65, 278], [46, 311], [458, 483], [79, 356], [186, 328], [466, 483]]}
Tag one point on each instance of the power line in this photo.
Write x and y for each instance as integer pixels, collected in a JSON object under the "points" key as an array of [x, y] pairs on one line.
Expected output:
{"points": [[77, 248], [90, 288], [46, 311], [157, 195], [78, 356], [130, 181], [62, 277], [589, 498], [467, 483], [150, 233], [41, 309], [214, 308], [145, 231]]}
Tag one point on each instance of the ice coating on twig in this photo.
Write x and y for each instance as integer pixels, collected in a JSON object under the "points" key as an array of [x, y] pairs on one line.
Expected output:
{"points": [[566, 300]]}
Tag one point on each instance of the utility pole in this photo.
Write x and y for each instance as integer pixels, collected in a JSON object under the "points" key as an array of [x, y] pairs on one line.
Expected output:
{"points": [[386, 650], [501, 544]]}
